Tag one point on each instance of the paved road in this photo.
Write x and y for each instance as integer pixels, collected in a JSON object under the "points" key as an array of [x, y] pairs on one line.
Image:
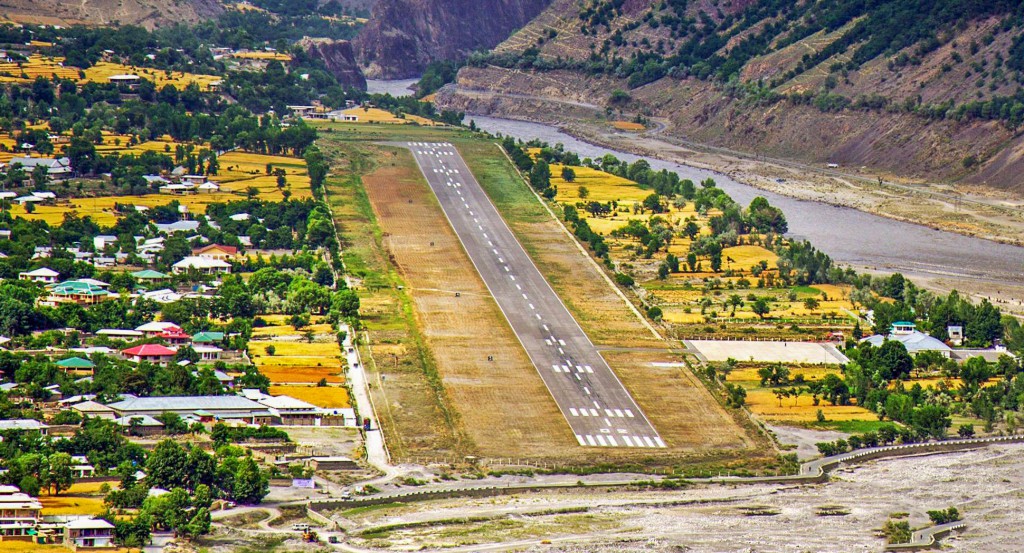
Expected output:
{"points": [[590, 396]]}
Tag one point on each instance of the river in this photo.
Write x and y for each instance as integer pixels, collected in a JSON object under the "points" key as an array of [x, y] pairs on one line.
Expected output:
{"points": [[849, 236]]}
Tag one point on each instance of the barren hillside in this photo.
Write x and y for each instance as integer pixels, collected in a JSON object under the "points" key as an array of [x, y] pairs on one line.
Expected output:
{"points": [[920, 89], [149, 13]]}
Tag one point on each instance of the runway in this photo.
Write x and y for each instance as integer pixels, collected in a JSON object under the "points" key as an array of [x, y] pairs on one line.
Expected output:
{"points": [[590, 396]]}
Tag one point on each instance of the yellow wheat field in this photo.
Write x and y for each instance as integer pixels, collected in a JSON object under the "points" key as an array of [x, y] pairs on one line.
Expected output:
{"points": [[49, 67], [322, 396], [310, 375], [239, 172], [262, 56], [321, 349], [764, 403]]}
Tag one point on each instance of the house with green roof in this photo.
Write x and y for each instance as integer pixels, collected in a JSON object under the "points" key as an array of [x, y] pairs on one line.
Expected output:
{"points": [[76, 291], [207, 337], [76, 364], [149, 274]]}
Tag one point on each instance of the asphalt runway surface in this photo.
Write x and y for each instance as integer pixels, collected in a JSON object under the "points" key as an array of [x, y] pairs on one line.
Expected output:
{"points": [[590, 396]]}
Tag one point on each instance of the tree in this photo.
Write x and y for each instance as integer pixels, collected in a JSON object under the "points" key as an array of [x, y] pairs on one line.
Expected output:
{"points": [[202, 468], [40, 176], [811, 304], [29, 485], [60, 475], [167, 466], [198, 526], [173, 423], [251, 485], [653, 203], [133, 532], [735, 301], [760, 307], [569, 175], [583, 192]]}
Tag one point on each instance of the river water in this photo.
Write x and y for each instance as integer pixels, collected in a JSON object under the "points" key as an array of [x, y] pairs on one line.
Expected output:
{"points": [[847, 235], [394, 88]]}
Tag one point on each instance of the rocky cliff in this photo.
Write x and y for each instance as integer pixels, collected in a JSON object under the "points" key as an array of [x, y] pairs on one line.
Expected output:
{"points": [[148, 13], [340, 59], [403, 36]]}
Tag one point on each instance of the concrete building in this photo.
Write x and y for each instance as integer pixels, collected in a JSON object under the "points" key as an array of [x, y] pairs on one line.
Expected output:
{"points": [[203, 265], [23, 424], [216, 251], [914, 340], [56, 168], [149, 276], [156, 327], [139, 425], [233, 408], [19, 513], [88, 533], [78, 292], [151, 353], [42, 274], [91, 408], [76, 366]]}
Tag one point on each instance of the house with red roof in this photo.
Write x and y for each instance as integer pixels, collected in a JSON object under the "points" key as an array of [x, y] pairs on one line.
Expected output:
{"points": [[151, 353], [175, 336]]}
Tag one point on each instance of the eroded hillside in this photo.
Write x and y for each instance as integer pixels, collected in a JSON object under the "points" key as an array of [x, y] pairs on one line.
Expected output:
{"points": [[920, 89], [149, 13]]}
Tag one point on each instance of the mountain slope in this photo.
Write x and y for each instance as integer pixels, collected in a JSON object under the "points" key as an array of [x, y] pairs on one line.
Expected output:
{"points": [[403, 36], [149, 13], [922, 88]]}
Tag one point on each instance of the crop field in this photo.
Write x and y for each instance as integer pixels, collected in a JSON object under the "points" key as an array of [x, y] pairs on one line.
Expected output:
{"points": [[279, 374], [801, 409], [279, 56], [239, 171], [695, 298], [82, 498], [379, 116], [52, 67], [328, 397], [276, 331]]}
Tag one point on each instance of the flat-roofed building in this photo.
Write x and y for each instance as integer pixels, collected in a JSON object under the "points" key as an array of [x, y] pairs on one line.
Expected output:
{"points": [[213, 407], [19, 513]]}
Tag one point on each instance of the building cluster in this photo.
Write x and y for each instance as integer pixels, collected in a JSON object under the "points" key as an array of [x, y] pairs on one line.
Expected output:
{"points": [[916, 342], [139, 416], [207, 260], [21, 519]]}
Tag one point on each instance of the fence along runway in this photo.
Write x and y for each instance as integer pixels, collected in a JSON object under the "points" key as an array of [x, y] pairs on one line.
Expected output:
{"points": [[590, 396]]}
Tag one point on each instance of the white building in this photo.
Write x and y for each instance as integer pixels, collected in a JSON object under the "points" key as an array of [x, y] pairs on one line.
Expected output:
{"points": [[914, 340], [43, 274], [204, 265], [19, 512], [87, 533]]}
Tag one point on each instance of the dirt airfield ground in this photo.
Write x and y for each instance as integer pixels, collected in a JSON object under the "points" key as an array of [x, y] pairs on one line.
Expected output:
{"points": [[841, 516]]}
